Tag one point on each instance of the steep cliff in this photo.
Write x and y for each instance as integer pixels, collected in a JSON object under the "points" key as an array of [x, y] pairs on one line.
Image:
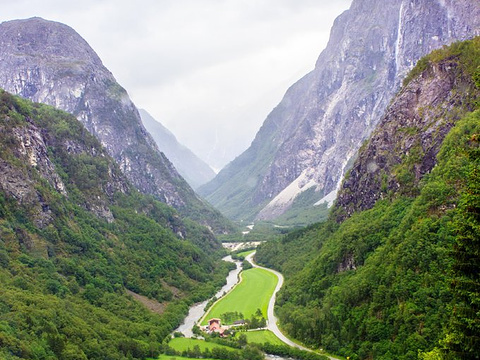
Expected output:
{"points": [[49, 62], [194, 170], [398, 275], [308, 141], [404, 146]]}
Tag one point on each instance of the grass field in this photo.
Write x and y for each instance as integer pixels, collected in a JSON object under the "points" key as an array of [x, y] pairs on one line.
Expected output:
{"points": [[181, 344], [252, 293], [174, 357], [261, 337], [245, 253]]}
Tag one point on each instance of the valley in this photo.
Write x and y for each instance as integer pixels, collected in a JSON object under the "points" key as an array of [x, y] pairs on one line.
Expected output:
{"points": [[349, 229], [251, 294], [245, 313]]}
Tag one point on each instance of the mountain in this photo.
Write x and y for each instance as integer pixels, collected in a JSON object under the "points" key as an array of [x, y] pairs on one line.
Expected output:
{"points": [[191, 167], [49, 62], [310, 139], [393, 273], [79, 245]]}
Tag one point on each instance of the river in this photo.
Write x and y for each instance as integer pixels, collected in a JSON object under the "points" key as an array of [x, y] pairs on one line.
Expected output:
{"points": [[198, 310]]}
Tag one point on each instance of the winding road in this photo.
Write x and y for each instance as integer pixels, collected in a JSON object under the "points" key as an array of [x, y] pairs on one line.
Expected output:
{"points": [[272, 319]]}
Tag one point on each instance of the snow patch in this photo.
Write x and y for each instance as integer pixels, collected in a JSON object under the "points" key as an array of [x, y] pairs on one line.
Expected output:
{"points": [[285, 198], [329, 198], [339, 95], [77, 92], [332, 195]]}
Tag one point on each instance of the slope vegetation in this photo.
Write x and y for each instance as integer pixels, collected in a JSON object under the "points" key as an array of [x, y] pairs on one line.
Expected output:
{"points": [[383, 281], [75, 235]]}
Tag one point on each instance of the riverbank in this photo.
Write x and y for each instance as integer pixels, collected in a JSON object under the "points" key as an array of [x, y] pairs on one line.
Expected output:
{"points": [[197, 311]]}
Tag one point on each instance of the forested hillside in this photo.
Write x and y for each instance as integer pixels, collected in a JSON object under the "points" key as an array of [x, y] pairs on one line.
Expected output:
{"points": [[75, 236], [384, 278]]}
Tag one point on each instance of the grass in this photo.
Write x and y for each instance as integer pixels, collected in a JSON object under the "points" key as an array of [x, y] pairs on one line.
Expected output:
{"points": [[261, 337], [245, 253], [252, 293], [174, 357], [181, 344]]}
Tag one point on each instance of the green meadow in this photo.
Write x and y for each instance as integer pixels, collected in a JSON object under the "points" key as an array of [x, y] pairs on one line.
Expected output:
{"points": [[245, 253], [174, 357], [252, 293], [261, 337], [181, 344]]}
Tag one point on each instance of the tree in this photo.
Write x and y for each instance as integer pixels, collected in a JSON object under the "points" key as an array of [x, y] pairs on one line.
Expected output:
{"points": [[464, 338], [242, 340]]}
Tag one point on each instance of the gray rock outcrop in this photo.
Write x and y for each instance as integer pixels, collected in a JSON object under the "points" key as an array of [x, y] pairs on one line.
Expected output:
{"points": [[404, 146]]}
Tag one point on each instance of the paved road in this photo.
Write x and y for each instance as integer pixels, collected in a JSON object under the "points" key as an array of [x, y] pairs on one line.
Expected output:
{"points": [[272, 319]]}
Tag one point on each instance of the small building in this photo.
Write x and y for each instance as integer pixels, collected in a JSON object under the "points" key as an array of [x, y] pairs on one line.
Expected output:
{"points": [[214, 325], [239, 322]]}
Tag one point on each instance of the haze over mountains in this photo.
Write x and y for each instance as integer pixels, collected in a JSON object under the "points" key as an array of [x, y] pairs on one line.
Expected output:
{"points": [[49, 62], [194, 170], [309, 140]]}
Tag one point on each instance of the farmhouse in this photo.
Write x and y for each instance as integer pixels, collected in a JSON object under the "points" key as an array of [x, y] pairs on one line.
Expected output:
{"points": [[215, 325]]}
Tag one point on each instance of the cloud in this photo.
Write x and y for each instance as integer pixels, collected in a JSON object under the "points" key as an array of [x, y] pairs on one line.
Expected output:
{"points": [[209, 70]]}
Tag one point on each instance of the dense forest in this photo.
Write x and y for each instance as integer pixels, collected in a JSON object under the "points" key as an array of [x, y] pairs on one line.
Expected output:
{"points": [[75, 236], [383, 283]]}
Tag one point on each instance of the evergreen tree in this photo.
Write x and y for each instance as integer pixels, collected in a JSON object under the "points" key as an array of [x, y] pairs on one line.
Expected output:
{"points": [[464, 340]]}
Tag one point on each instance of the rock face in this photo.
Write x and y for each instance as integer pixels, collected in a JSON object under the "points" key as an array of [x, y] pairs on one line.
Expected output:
{"points": [[190, 166], [310, 138], [30, 146], [404, 146], [49, 62]]}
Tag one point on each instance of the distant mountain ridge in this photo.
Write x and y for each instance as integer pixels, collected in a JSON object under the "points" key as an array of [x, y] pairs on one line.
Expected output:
{"points": [[194, 170], [49, 62], [309, 140]]}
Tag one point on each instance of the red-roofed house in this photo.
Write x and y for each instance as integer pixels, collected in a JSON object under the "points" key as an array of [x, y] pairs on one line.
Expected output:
{"points": [[215, 325]]}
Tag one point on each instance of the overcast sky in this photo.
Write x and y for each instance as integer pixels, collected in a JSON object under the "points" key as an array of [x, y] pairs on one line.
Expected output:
{"points": [[209, 70]]}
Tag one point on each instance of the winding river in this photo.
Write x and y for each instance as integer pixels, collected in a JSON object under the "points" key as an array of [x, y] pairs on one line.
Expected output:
{"points": [[198, 310]]}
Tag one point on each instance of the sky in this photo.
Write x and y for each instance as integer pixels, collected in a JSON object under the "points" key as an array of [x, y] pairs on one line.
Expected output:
{"points": [[208, 70]]}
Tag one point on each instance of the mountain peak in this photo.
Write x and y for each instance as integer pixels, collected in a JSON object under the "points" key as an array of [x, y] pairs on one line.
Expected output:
{"points": [[46, 38], [194, 170], [48, 62]]}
